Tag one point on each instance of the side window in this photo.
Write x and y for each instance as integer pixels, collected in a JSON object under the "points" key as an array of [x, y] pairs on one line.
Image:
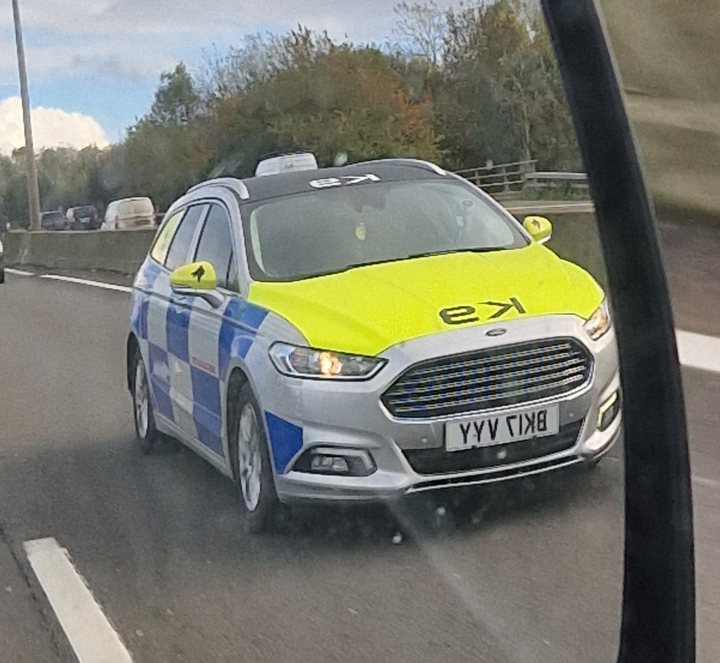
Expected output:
{"points": [[233, 281], [177, 253], [216, 247], [162, 242]]}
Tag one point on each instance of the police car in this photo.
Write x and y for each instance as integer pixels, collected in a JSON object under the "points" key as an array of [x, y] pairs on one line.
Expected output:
{"points": [[366, 332]]}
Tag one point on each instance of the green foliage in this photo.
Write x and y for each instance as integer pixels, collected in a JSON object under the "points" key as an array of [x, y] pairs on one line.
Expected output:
{"points": [[460, 87], [309, 93], [160, 161], [176, 100], [501, 95]]}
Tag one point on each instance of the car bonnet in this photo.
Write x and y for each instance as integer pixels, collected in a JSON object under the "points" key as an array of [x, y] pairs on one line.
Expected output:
{"points": [[368, 309]]}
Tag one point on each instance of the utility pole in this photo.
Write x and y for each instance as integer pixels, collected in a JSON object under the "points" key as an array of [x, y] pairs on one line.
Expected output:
{"points": [[32, 181]]}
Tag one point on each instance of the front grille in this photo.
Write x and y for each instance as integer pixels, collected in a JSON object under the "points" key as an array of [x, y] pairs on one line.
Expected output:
{"points": [[494, 377], [439, 461]]}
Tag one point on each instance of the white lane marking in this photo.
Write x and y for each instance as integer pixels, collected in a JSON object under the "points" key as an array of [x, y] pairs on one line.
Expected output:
{"points": [[706, 482], [18, 272], [92, 638], [699, 351], [695, 350], [94, 284]]}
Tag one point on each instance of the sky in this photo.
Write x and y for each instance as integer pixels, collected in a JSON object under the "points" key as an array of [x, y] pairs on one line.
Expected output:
{"points": [[93, 65]]}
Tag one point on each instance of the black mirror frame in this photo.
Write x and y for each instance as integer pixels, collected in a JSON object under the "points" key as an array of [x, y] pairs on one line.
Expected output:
{"points": [[658, 618]]}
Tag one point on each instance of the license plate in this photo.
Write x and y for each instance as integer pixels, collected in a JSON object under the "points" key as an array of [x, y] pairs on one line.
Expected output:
{"points": [[502, 428]]}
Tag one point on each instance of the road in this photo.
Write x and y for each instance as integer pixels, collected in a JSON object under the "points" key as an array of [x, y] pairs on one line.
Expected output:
{"points": [[533, 573]]}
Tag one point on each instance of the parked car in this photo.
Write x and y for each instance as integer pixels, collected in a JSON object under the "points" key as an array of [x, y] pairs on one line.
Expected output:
{"points": [[53, 220], [83, 218], [129, 213]]}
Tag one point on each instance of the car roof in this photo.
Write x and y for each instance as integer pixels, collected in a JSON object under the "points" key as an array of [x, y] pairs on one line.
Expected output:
{"points": [[127, 200], [254, 189]]}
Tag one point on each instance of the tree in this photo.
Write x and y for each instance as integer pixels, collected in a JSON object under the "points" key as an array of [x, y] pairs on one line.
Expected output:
{"points": [[421, 29], [164, 152], [161, 161], [13, 187], [176, 99], [460, 87], [501, 95], [324, 97], [350, 101]]}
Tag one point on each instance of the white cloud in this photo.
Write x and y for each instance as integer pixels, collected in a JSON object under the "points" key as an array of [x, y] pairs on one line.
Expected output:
{"points": [[52, 127], [165, 18], [136, 37], [131, 42]]}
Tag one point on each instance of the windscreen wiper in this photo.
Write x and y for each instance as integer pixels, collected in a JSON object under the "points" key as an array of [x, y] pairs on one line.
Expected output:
{"points": [[424, 254], [477, 249]]}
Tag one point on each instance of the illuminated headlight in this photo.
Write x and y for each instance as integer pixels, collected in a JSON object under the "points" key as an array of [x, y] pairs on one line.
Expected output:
{"points": [[302, 362], [599, 323]]}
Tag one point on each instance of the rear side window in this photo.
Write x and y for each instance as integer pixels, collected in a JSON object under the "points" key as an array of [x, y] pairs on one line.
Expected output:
{"points": [[215, 246], [162, 243], [179, 249]]}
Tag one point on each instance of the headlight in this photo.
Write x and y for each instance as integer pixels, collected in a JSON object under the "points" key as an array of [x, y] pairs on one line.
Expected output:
{"points": [[303, 362], [599, 323]]}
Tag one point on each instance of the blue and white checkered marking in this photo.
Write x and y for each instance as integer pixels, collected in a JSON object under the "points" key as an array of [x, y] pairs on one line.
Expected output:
{"points": [[189, 349]]}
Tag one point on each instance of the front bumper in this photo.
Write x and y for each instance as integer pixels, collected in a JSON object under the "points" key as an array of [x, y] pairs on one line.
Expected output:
{"points": [[350, 415]]}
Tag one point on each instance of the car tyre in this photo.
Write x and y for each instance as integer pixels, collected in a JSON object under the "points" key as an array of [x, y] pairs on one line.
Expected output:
{"points": [[146, 432], [252, 469]]}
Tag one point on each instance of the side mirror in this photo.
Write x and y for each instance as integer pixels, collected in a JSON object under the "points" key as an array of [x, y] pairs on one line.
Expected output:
{"points": [[198, 279], [539, 227]]}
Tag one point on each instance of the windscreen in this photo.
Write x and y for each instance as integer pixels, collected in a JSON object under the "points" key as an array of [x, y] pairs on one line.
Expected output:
{"points": [[332, 229]]}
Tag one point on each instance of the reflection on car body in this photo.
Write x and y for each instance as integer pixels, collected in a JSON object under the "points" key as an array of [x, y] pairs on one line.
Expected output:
{"points": [[388, 331]]}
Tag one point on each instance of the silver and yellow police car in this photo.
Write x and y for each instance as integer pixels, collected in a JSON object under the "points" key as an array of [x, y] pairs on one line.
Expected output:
{"points": [[366, 332]]}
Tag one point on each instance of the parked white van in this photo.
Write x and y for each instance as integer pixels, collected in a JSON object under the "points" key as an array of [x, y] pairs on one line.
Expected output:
{"points": [[129, 213]]}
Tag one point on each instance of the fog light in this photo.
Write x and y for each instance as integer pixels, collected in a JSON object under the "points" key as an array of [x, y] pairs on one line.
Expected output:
{"points": [[329, 464], [336, 461], [608, 411]]}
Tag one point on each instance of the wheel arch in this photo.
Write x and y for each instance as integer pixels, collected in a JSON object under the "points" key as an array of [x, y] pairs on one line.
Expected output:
{"points": [[236, 380]]}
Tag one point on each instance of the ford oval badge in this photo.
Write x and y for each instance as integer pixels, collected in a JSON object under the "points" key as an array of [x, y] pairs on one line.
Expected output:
{"points": [[498, 331]]}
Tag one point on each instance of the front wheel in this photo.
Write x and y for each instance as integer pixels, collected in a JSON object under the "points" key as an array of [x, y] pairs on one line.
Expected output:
{"points": [[143, 415], [251, 459]]}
